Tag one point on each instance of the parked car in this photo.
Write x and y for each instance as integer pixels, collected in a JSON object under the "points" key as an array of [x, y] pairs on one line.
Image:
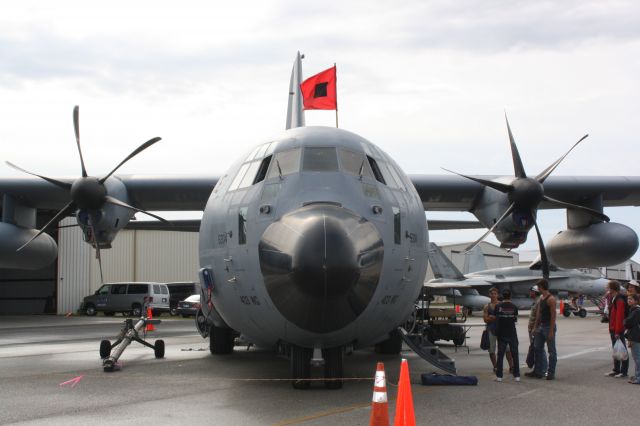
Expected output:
{"points": [[129, 298], [179, 291], [189, 306]]}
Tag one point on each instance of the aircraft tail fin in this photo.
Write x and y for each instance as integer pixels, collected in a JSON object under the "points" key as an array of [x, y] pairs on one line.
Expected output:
{"points": [[295, 108], [474, 260], [441, 265]]}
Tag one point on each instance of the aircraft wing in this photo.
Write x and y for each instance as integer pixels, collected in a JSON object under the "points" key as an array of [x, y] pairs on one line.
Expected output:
{"points": [[455, 193], [147, 192], [447, 285]]}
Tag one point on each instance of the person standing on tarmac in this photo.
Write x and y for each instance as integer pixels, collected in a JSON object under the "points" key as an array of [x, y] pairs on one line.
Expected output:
{"points": [[489, 316], [632, 324], [545, 331], [506, 317], [617, 313], [533, 315]]}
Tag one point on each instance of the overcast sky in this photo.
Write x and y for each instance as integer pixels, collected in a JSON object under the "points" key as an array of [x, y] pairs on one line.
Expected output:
{"points": [[427, 81]]}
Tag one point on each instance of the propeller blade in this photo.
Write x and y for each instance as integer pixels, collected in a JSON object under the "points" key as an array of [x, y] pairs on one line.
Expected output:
{"points": [[76, 127], [504, 215], [603, 217], [543, 252], [63, 185], [518, 168], [502, 187], [546, 172], [62, 213], [115, 201], [141, 148], [94, 241]]}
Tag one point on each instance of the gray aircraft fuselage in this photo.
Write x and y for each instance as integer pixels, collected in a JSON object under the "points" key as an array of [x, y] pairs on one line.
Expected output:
{"points": [[316, 239]]}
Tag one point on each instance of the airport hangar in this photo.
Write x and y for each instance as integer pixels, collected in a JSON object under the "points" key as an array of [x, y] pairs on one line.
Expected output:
{"points": [[141, 252]]}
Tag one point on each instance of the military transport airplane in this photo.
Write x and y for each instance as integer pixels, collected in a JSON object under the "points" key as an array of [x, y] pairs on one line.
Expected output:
{"points": [[315, 242], [518, 279]]}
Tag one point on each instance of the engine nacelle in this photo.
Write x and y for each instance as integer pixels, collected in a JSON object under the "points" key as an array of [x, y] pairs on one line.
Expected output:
{"points": [[600, 244], [38, 254]]}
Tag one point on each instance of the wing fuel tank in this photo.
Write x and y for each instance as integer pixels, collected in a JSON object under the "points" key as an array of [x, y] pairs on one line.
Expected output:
{"points": [[600, 244], [38, 254]]}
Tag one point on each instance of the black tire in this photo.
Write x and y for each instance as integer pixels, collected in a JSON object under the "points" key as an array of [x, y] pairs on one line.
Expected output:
{"points": [[109, 314], [333, 368], [158, 349], [136, 310], [566, 312], [105, 349], [90, 310], [391, 346], [300, 363], [221, 340], [582, 313], [173, 311]]}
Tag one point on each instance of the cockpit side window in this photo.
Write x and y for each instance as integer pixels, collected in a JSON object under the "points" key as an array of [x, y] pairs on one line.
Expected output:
{"points": [[354, 163], [376, 170], [285, 163], [262, 170], [320, 160]]}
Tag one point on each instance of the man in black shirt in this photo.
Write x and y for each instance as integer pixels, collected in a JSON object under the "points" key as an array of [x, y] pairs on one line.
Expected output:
{"points": [[506, 318]]}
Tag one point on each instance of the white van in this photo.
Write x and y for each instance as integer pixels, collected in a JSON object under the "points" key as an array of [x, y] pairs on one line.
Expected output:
{"points": [[129, 298]]}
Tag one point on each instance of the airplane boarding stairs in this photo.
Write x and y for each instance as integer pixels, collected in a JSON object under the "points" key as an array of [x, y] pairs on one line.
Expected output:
{"points": [[428, 351]]}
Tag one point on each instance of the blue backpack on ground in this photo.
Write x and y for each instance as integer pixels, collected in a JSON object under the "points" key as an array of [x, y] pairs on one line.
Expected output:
{"points": [[435, 379]]}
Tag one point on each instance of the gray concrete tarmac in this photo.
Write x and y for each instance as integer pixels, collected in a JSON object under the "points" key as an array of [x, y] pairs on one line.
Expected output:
{"points": [[189, 385]]}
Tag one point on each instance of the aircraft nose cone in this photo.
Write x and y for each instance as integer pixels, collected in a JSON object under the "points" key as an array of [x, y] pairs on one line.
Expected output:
{"points": [[321, 265]]}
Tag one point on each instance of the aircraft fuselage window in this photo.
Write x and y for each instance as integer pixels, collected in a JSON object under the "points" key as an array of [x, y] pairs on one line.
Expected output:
{"points": [[285, 163], [354, 163], [320, 160], [250, 175], [376, 170], [236, 182], [396, 225], [262, 170], [242, 225]]}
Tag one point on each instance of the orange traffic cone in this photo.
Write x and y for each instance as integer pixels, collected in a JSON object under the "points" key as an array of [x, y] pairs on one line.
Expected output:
{"points": [[404, 404], [379, 403], [561, 307], [150, 327]]}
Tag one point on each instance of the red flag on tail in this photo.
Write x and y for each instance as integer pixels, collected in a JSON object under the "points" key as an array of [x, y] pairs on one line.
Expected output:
{"points": [[319, 91]]}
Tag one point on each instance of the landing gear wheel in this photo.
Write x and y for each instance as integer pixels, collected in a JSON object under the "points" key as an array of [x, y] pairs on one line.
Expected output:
{"points": [[90, 310], [105, 349], [221, 340], [391, 346], [158, 349], [582, 313], [300, 362], [333, 368], [566, 312]]}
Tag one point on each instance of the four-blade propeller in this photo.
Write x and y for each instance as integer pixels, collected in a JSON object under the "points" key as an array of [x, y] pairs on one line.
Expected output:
{"points": [[526, 193], [87, 192]]}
